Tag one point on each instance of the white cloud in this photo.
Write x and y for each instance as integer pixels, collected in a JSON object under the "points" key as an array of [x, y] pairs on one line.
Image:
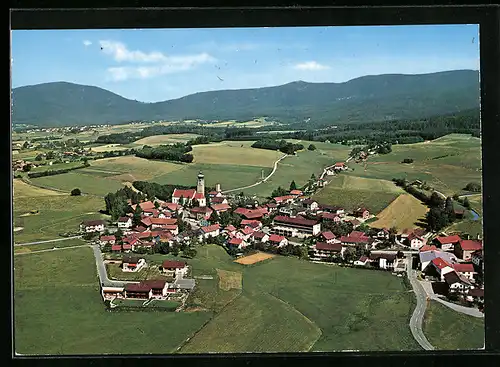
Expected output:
{"points": [[87, 43], [165, 64], [310, 65]]}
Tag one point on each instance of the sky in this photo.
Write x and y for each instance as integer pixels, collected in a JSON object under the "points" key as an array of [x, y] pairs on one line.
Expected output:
{"points": [[151, 65]]}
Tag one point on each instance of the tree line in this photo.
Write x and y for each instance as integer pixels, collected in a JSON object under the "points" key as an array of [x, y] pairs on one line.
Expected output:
{"points": [[52, 172], [177, 152], [281, 145]]}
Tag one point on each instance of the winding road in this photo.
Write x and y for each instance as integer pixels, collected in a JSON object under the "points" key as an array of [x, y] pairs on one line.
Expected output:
{"points": [[261, 181], [418, 314]]}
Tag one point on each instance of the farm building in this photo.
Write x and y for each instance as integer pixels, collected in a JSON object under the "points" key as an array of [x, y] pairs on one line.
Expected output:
{"points": [[295, 227], [426, 257], [332, 209], [111, 292], [336, 218], [296, 193], [90, 226], [175, 268]]}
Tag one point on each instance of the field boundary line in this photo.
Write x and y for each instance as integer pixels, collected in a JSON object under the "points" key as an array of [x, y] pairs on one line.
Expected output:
{"points": [[308, 320]]}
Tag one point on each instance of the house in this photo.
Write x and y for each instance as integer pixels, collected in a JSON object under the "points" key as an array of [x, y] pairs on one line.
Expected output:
{"points": [[477, 258], [362, 261], [89, 226], [174, 268], [466, 270], [332, 209], [288, 211], [339, 166], [142, 244], [246, 232], [230, 229], [151, 212], [356, 238], [447, 243], [296, 193], [414, 241], [439, 268], [277, 240], [426, 257], [383, 234], [250, 213], [384, 260], [221, 208], [258, 236], [162, 222], [147, 205], [310, 204], [330, 217], [287, 199], [201, 212], [295, 227], [464, 249], [475, 295], [251, 223], [109, 293], [428, 248], [116, 248], [174, 207], [327, 237], [132, 263], [146, 289], [361, 213], [146, 222], [456, 283], [172, 228], [355, 223], [211, 231], [271, 207], [237, 242], [107, 240], [124, 222], [324, 251]]}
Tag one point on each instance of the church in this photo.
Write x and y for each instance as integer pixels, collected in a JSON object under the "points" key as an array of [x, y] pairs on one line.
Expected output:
{"points": [[184, 197]]}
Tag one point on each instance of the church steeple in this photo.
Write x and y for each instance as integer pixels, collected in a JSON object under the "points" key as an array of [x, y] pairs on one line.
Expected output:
{"points": [[200, 187]]}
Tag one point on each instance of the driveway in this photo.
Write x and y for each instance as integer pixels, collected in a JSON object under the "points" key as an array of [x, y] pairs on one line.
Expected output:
{"points": [[101, 270], [419, 312]]}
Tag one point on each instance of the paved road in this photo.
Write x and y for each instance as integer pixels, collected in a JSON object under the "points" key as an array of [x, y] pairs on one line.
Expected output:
{"points": [[47, 241], [419, 312], [101, 270], [50, 249], [259, 182]]}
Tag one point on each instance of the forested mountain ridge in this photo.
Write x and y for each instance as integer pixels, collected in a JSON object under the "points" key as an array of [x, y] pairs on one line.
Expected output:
{"points": [[364, 99]]}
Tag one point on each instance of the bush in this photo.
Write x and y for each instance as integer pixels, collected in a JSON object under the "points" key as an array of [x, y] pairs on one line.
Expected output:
{"points": [[473, 186], [407, 160], [76, 192]]}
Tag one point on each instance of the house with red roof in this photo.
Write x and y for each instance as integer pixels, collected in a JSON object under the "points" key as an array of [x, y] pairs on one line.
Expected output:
{"points": [[250, 213], [296, 193], [363, 261], [258, 236], [151, 212], [428, 248], [272, 207], [336, 218], [251, 223], [246, 232], [220, 208], [174, 207], [356, 238], [230, 229], [439, 268], [177, 269], [310, 204], [210, 231], [162, 222], [414, 241], [324, 251], [296, 226], [147, 205], [146, 289], [447, 243], [104, 240], [355, 223], [465, 269], [218, 200], [465, 248], [287, 199], [327, 237], [124, 222], [361, 213], [89, 226], [132, 264], [146, 222], [236, 243], [116, 248], [277, 240], [200, 213], [339, 166]]}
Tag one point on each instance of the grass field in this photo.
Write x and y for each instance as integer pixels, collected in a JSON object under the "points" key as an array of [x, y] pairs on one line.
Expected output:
{"points": [[108, 147], [49, 245], [352, 192], [21, 189], [56, 214], [472, 227], [404, 212], [88, 184], [229, 279], [447, 163], [234, 153], [254, 258], [58, 310], [447, 329]]}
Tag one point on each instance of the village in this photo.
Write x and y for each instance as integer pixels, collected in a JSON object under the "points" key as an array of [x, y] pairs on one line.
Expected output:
{"points": [[450, 268]]}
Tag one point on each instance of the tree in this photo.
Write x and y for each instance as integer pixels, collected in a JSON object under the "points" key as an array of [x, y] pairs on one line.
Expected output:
{"points": [[293, 185], [224, 218], [76, 192], [157, 204], [436, 200], [27, 167], [214, 217], [189, 252], [39, 157], [119, 234], [436, 219], [136, 219], [467, 203], [278, 192], [449, 209], [311, 147], [175, 249], [407, 160], [313, 177], [473, 186], [26, 145]]}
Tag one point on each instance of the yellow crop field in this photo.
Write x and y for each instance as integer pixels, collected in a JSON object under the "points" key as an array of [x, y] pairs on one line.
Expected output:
{"points": [[402, 213], [165, 139], [254, 258], [108, 147]]}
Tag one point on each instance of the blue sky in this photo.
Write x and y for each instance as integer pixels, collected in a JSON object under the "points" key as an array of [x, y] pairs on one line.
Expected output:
{"points": [[159, 64]]}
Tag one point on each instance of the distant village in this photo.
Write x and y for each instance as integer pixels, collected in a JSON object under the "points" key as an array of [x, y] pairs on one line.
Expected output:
{"points": [[293, 224]]}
